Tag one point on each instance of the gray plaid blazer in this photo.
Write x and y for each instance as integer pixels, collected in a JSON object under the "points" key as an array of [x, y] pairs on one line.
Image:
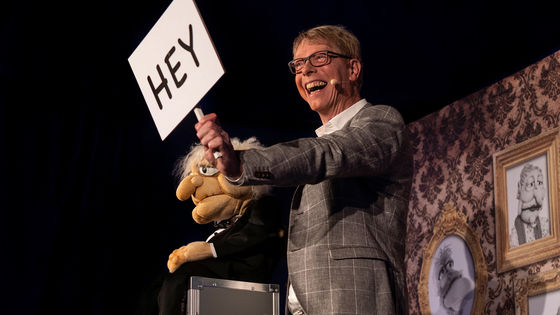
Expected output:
{"points": [[348, 214]]}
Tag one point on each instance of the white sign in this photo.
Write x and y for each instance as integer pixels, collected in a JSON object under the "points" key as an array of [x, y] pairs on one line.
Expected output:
{"points": [[175, 65]]}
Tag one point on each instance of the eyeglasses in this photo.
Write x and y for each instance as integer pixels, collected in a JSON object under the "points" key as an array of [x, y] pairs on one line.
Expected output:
{"points": [[316, 59]]}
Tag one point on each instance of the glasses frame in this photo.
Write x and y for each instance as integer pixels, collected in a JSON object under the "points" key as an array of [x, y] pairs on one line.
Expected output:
{"points": [[328, 53]]}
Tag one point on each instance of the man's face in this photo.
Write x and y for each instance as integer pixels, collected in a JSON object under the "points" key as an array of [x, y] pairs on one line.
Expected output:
{"points": [[313, 83], [532, 192]]}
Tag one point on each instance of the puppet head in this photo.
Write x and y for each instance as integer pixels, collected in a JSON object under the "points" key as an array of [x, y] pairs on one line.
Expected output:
{"points": [[452, 286], [214, 197], [531, 191]]}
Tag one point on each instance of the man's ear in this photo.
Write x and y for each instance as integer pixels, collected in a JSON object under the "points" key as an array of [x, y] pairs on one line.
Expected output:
{"points": [[354, 69]]}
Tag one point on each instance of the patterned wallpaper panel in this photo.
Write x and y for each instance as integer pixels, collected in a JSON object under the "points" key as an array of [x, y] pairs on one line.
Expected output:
{"points": [[453, 164]]}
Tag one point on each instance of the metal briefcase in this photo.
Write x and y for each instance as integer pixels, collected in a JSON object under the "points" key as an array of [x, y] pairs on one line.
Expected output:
{"points": [[209, 296]]}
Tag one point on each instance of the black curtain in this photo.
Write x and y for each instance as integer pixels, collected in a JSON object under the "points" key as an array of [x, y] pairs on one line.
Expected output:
{"points": [[89, 211], [89, 214]]}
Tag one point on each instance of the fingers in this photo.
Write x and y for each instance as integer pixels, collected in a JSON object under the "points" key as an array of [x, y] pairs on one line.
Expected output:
{"points": [[209, 117], [218, 149], [211, 134], [172, 263], [176, 259], [207, 124], [171, 267]]}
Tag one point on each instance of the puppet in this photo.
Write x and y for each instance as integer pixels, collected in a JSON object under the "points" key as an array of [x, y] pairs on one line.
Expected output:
{"points": [[248, 243]]}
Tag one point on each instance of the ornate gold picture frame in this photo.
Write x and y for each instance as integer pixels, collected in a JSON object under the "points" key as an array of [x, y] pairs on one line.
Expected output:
{"points": [[453, 271], [526, 191], [538, 294]]}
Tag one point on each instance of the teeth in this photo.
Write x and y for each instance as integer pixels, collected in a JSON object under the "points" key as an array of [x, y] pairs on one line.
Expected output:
{"points": [[315, 85]]}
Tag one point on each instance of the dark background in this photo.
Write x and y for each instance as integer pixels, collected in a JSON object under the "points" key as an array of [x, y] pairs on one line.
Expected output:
{"points": [[89, 213]]}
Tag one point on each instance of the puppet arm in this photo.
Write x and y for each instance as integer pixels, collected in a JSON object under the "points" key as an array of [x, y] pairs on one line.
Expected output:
{"points": [[192, 252]]}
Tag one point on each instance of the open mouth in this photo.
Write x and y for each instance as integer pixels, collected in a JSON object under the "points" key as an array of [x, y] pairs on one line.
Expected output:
{"points": [[532, 208], [315, 86]]}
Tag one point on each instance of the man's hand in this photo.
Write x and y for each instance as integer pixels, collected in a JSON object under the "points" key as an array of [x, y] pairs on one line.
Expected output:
{"points": [[192, 252], [215, 139]]}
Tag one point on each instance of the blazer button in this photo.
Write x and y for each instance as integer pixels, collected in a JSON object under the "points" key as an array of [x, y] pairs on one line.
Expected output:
{"points": [[263, 175]]}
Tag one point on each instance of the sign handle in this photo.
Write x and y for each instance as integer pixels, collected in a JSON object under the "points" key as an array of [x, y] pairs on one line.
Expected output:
{"points": [[198, 112]]}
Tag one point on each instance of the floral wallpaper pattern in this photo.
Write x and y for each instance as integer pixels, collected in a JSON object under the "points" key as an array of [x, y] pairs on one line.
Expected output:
{"points": [[453, 164]]}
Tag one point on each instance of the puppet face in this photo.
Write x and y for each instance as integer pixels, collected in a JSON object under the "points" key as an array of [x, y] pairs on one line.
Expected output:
{"points": [[452, 286], [446, 277], [531, 195], [214, 197]]}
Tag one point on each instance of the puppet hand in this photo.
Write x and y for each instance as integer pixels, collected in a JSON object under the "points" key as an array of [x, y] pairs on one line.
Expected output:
{"points": [[191, 252]]}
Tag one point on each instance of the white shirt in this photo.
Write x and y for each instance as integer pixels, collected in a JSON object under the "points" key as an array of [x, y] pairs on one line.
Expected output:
{"points": [[336, 123], [214, 254]]}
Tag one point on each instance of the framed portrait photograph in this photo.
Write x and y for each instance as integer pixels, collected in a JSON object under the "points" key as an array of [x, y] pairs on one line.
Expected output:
{"points": [[526, 201], [453, 279], [538, 294]]}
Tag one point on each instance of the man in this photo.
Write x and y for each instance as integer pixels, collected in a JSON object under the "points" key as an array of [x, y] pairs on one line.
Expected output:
{"points": [[530, 224], [456, 293], [348, 214]]}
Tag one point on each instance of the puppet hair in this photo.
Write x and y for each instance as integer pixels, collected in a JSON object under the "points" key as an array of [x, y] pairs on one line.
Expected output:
{"points": [[445, 255], [196, 154]]}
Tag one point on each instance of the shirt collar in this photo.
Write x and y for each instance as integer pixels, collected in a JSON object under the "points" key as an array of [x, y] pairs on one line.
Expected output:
{"points": [[338, 121]]}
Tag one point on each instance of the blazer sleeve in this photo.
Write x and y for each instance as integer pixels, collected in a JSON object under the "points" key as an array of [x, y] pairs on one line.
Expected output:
{"points": [[371, 144]]}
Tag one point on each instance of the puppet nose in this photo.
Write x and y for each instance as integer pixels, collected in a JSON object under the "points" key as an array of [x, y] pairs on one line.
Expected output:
{"points": [[197, 181], [188, 186]]}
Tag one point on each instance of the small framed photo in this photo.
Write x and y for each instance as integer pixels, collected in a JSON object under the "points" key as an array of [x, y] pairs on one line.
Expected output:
{"points": [[538, 294], [526, 194], [453, 279]]}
